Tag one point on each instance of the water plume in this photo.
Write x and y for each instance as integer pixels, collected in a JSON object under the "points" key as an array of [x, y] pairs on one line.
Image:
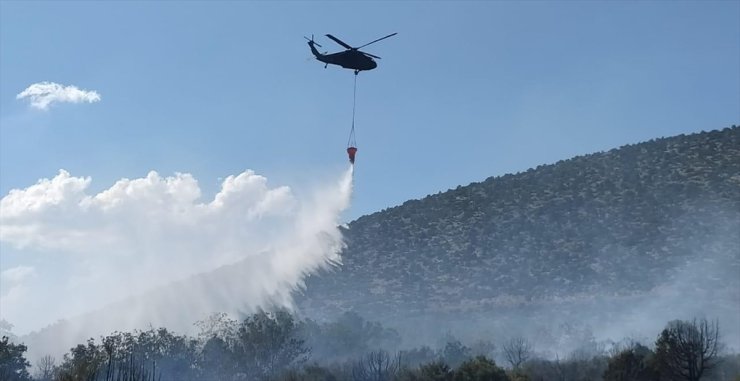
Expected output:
{"points": [[146, 252]]}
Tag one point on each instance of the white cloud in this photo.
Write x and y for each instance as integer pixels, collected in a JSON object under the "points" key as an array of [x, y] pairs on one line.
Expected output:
{"points": [[144, 233], [43, 94]]}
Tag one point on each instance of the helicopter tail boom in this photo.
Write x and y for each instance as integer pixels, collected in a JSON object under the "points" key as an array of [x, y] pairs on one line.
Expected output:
{"points": [[313, 45], [313, 49]]}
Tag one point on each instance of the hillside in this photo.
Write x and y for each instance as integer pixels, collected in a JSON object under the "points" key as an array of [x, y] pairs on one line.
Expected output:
{"points": [[619, 241], [661, 217]]}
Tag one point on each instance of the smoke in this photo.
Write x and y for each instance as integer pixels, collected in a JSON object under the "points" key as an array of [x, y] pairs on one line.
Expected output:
{"points": [[147, 251], [688, 270]]}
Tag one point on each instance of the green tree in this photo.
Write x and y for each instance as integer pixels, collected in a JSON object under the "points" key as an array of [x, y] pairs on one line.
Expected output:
{"points": [[6, 329], [216, 360], [519, 375], [480, 369], [454, 353], [309, 373], [219, 325], [268, 343], [436, 371], [433, 371], [83, 362], [632, 364], [482, 347], [176, 355], [13, 365], [349, 337]]}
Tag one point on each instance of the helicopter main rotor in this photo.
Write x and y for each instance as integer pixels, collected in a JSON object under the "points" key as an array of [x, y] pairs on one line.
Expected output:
{"points": [[372, 42], [348, 47], [340, 42]]}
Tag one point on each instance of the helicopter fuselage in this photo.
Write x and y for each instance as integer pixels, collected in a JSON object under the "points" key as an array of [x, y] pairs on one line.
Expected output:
{"points": [[348, 59]]}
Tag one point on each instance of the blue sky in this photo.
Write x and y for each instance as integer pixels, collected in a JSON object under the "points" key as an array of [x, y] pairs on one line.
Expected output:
{"points": [[466, 90]]}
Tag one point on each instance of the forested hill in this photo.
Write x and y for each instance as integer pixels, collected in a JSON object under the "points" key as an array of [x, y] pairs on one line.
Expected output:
{"points": [[606, 225]]}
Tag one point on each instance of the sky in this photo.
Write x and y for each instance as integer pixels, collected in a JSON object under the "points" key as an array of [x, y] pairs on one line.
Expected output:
{"points": [[464, 91]]}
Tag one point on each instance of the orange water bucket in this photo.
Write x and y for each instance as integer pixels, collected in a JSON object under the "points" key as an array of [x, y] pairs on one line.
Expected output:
{"points": [[351, 151]]}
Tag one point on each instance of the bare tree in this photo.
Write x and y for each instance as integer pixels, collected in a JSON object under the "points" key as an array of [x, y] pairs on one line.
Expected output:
{"points": [[45, 368], [517, 351], [376, 366], [687, 350]]}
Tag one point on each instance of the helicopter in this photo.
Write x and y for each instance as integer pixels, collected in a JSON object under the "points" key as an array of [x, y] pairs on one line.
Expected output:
{"points": [[352, 58]]}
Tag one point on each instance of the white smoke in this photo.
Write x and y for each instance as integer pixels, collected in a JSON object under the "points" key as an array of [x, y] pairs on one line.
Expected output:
{"points": [[165, 257]]}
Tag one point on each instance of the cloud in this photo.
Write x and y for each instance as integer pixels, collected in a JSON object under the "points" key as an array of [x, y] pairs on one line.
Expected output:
{"points": [[43, 94], [148, 233]]}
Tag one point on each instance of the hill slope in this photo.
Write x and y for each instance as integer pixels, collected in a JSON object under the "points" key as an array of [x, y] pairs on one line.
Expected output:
{"points": [[642, 218]]}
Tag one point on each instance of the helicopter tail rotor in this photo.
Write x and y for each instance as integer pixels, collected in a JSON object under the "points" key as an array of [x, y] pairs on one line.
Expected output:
{"points": [[312, 41]]}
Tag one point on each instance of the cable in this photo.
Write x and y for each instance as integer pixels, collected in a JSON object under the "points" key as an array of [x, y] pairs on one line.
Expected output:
{"points": [[351, 142]]}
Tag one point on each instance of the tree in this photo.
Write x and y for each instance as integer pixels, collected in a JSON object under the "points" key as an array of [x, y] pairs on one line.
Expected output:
{"points": [[84, 362], [13, 365], [317, 373], [517, 351], [6, 329], [455, 353], [482, 348], [631, 364], [216, 359], [414, 357], [518, 375], [540, 369], [308, 373], [267, 343], [433, 371], [177, 355], [45, 368], [142, 356], [436, 371], [480, 369], [376, 366], [219, 325], [687, 350], [350, 336]]}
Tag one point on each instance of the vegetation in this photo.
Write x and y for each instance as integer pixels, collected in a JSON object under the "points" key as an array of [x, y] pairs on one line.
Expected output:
{"points": [[272, 347], [636, 363], [606, 226], [13, 364], [686, 350]]}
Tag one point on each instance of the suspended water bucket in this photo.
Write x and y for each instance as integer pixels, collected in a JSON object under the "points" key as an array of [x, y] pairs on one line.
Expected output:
{"points": [[351, 151]]}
